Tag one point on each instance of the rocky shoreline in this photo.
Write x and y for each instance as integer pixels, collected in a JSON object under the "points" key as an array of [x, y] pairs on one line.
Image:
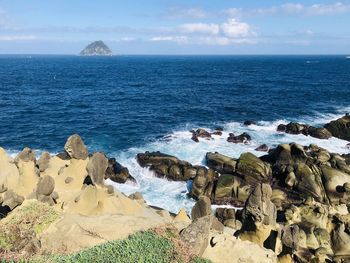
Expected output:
{"points": [[291, 204]]}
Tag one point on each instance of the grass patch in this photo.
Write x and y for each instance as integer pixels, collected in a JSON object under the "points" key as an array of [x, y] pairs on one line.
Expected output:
{"points": [[24, 223]]}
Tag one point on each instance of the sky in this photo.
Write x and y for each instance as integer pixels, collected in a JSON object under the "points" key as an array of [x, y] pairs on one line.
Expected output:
{"points": [[175, 27]]}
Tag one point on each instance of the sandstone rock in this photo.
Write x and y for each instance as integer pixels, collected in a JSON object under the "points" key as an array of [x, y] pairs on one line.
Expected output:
{"points": [[201, 208], [45, 185], [97, 167], [341, 240], [76, 148], [340, 128], [182, 217], [12, 200], [43, 162], [136, 196], [258, 216], [196, 235], [26, 155], [320, 133]]}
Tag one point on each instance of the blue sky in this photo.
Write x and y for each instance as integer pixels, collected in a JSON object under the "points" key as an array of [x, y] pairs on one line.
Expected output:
{"points": [[175, 27]]}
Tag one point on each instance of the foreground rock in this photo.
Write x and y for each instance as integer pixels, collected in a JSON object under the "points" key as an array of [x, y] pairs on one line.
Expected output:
{"points": [[340, 128]]}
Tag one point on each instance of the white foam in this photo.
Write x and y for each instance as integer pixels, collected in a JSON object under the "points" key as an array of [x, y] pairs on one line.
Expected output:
{"points": [[172, 195]]}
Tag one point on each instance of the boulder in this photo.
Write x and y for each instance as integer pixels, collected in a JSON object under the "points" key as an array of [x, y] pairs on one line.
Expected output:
{"points": [[320, 133], [12, 200], [201, 208], [43, 162], [166, 166], [27, 155], [249, 122], [242, 138], [341, 240], [334, 181], [196, 235], [76, 148], [97, 167], [221, 163], [45, 186], [262, 148], [231, 189], [340, 128], [227, 216], [200, 133], [258, 216], [203, 182], [117, 173], [252, 169]]}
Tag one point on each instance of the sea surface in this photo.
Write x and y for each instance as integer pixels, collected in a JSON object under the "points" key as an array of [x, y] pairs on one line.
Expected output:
{"points": [[124, 105]]}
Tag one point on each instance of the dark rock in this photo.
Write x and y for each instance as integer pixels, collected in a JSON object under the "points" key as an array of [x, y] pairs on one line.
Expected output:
{"points": [[297, 128], [242, 138], [117, 173], [248, 123], [63, 156], [252, 169], [340, 128], [262, 148], [221, 163], [320, 133], [97, 167], [227, 216], [201, 208], [200, 133], [281, 128], [76, 148], [219, 133], [167, 166]]}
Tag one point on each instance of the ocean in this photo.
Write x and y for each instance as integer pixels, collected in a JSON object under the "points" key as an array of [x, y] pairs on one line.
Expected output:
{"points": [[123, 105]]}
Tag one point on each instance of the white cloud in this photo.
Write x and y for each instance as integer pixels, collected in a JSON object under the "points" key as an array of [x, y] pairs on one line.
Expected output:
{"points": [[177, 39], [330, 9], [292, 8], [184, 13], [201, 28], [17, 38], [234, 29]]}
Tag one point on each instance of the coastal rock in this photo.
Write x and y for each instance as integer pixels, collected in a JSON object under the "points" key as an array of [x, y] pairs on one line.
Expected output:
{"points": [[201, 208], [97, 48], [27, 155], [200, 133], [196, 235], [46, 185], [341, 240], [262, 148], [242, 138], [227, 216], [221, 163], [167, 166], [297, 128], [249, 122], [43, 162], [117, 173], [76, 148], [340, 128], [252, 169], [97, 167], [203, 182], [12, 200], [258, 216], [231, 189]]}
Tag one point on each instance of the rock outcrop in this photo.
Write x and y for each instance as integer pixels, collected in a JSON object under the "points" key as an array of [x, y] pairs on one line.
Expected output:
{"points": [[340, 128]]}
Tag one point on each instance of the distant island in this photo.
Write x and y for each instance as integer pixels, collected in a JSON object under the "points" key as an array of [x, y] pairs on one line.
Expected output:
{"points": [[97, 48]]}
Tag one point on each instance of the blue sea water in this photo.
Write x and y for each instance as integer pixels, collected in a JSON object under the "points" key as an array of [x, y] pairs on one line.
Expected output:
{"points": [[123, 105]]}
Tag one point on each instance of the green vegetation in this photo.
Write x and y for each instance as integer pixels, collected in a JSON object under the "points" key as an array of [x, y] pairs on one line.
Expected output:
{"points": [[24, 223]]}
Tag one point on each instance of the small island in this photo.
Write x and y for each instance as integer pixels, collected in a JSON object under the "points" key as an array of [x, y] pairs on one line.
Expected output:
{"points": [[97, 48]]}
